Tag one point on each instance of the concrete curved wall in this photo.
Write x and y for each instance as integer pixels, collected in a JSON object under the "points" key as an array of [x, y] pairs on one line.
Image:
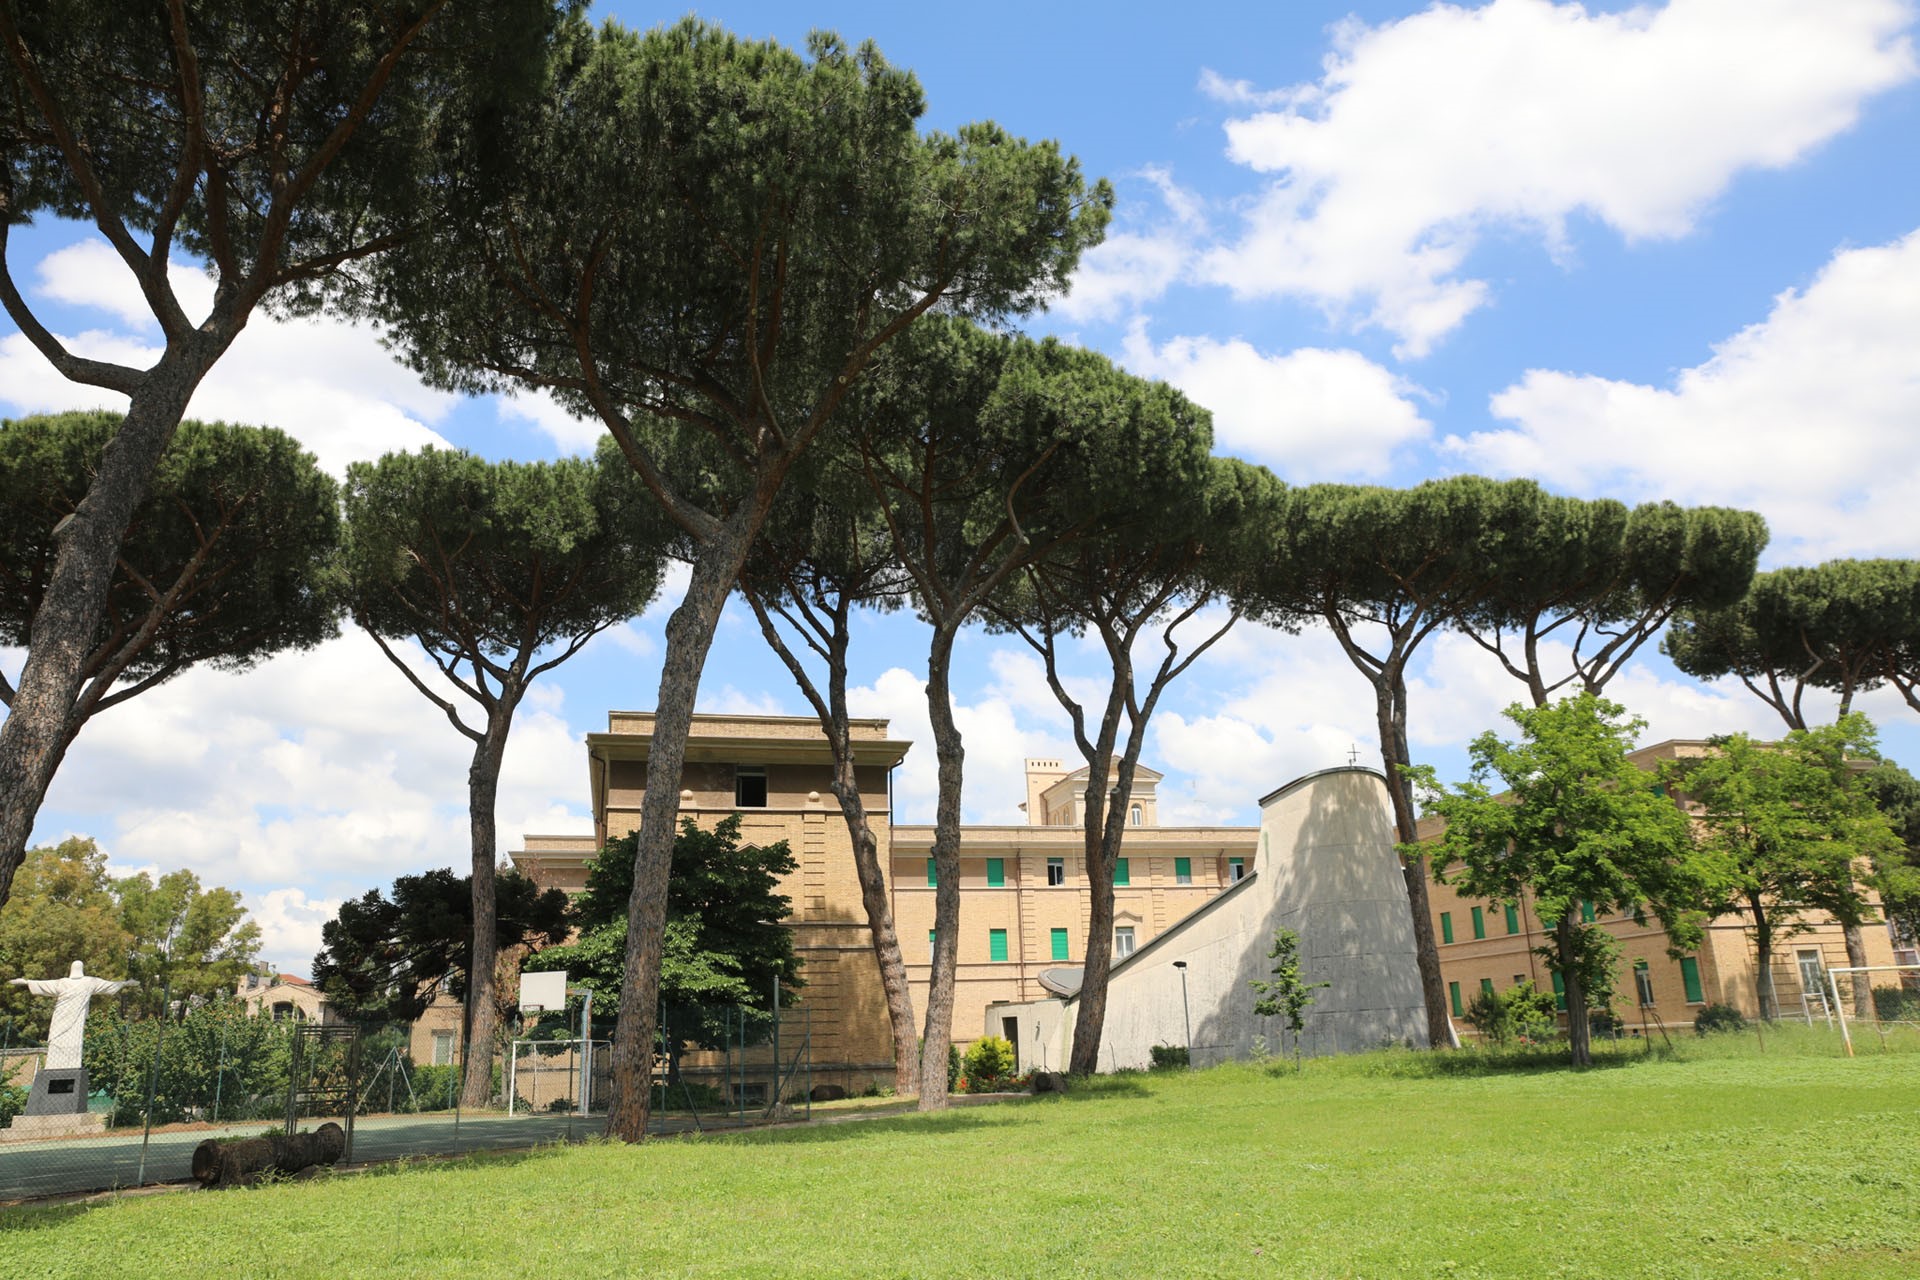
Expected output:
{"points": [[1326, 869]]}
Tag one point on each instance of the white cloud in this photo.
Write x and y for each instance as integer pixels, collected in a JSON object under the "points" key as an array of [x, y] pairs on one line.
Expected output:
{"points": [[327, 382], [570, 434], [730, 701], [1519, 114], [1136, 265], [290, 924], [1807, 416], [323, 773], [1310, 414]]}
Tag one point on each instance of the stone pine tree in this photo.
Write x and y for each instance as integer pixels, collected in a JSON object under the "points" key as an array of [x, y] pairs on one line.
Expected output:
{"points": [[1795, 829], [1579, 826], [987, 454], [701, 243], [498, 572], [225, 562], [1384, 569], [822, 555], [1191, 542], [1836, 627], [1839, 627], [277, 142], [1599, 580]]}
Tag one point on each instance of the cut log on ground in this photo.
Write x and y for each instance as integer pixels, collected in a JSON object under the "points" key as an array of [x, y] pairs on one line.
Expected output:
{"points": [[245, 1162]]}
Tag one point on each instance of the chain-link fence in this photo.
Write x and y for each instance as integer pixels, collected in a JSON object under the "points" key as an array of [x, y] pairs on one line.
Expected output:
{"points": [[158, 1091]]}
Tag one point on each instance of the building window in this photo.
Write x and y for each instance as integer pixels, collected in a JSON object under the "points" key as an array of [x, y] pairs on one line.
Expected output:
{"points": [[1690, 976], [1059, 944], [930, 934], [933, 877], [996, 872], [1513, 919], [1453, 994], [996, 944], [1056, 871], [1586, 913], [1486, 986], [1479, 923], [1123, 942], [1559, 991], [443, 1048], [1138, 815], [1183, 870], [750, 786], [1236, 870], [1446, 926], [1120, 876], [1643, 983]]}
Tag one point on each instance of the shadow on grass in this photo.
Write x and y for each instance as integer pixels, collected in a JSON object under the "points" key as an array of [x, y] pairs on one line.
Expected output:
{"points": [[1425, 1064], [39, 1217]]}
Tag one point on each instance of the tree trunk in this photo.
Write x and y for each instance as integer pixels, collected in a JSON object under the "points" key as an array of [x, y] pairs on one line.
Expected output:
{"points": [[880, 926], [1393, 755], [482, 1011], [1579, 1035], [1763, 959], [1862, 983], [950, 754], [1102, 842], [689, 636], [35, 734]]}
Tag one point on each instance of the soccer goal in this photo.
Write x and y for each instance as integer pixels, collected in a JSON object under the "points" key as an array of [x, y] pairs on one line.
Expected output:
{"points": [[552, 1076], [1890, 992]]}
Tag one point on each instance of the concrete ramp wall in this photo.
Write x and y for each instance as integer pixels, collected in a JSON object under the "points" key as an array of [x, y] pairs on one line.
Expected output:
{"points": [[1326, 869]]}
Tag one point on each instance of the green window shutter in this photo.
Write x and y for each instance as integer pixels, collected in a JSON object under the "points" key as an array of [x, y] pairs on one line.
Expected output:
{"points": [[996, 872], [1446, 926], [997, 944], [1586, 913], [1059, 944], [1513, 919], [1453, 992], [1559, 991], [1479, 923], [1236, 869], [1486, 986], [1690, 974], [930, 934], [1120, 872], [932, 878], [1183, 870]]}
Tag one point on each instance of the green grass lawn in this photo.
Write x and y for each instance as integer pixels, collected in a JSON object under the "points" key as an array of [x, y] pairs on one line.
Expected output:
{"points": [[1720, 1163]]}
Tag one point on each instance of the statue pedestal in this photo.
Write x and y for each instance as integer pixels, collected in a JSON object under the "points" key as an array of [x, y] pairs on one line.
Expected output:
{"points": [[56, 1106]]}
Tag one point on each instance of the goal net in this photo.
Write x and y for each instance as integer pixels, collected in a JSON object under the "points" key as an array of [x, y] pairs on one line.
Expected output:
{"points": [[554, 1076], [1876, 1000]]}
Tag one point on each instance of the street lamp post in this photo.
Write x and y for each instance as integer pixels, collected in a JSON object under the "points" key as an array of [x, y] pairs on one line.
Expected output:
{"points": [[1186, 1010]]}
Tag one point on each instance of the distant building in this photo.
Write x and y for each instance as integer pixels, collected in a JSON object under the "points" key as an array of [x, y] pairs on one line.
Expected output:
{"points": [[1490, 946], [285, 997]]}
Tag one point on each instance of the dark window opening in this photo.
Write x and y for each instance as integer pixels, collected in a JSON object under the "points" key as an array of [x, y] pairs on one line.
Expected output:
{"points": [[750, 787]]}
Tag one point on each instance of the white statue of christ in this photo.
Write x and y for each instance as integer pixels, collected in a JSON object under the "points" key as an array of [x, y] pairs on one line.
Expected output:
{"points": [[73, 993]]}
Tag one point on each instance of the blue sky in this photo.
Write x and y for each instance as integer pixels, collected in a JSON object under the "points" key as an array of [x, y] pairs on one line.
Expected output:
{"points": [[1654, 251]]}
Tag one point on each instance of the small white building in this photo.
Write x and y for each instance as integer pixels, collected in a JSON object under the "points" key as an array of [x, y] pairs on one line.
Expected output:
{"points": [[1325, 868]]}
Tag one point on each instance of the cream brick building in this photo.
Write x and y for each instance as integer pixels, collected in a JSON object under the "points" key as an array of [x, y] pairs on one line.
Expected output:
{"points": [[1024, 906], [1487, 945]]}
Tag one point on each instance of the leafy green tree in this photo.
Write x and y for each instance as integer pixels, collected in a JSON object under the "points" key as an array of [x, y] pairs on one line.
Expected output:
{"points": [[1287, 994], [63, 909], [1837, 626], [1577, 823], [726, 940], [384, 957], [224, 562], [499, 571], [186, 942], [1191, 539], [277, 141], [217, 1062], [823, 553], [1521, 1013], [1385, 569], [988, 454], [702, 243], [1896, 793], [1603, 580], [1794, 829]]}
